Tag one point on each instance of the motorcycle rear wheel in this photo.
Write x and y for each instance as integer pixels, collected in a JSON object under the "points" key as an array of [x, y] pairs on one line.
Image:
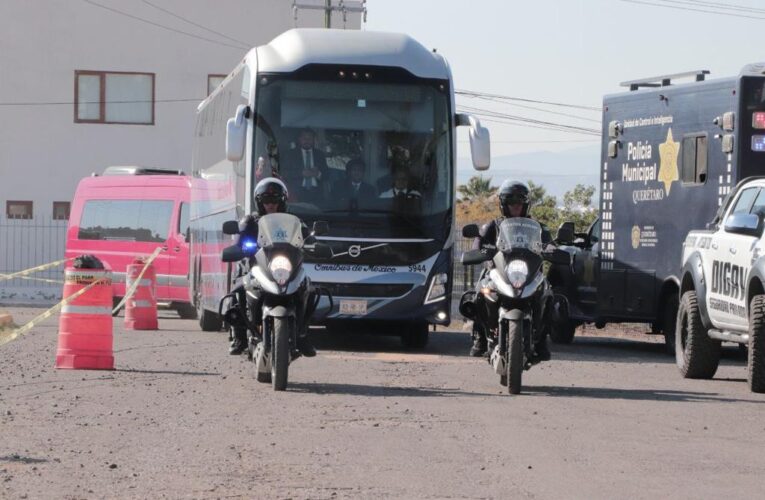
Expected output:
{"points": [[280, 353], [514, 356]]}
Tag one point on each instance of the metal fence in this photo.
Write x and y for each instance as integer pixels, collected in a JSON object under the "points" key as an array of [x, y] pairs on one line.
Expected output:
{"points": [[26, 243]]}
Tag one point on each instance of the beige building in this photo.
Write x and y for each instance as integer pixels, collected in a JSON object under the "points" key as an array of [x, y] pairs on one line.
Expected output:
{"points": [[89, 83]]}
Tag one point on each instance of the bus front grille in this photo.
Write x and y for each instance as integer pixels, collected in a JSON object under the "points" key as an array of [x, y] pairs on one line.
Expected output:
{"points": [[364, 290]]}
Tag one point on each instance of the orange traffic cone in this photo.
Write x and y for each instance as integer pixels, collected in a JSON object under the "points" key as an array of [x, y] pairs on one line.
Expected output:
{"points": [[141, 308], [85, 324]]}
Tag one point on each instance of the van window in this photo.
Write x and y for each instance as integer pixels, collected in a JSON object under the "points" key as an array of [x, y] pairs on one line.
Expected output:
{"points": [[127, 220], [183, 219]]}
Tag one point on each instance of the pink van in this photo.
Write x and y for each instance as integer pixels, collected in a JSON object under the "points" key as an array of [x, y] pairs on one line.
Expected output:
{"points": [[130, 211]]}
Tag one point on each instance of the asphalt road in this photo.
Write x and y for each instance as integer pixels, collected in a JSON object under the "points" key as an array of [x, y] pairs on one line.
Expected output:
{"points": [[179, 418]]}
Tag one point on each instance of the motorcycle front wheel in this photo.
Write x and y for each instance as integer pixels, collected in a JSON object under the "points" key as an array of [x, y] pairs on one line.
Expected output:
{"points": [[514, 356], [280, 352]]}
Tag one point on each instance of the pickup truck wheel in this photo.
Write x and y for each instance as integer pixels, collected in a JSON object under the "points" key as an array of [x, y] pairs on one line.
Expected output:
{"points": [[756, 357], [669, 323], [696, 354]]}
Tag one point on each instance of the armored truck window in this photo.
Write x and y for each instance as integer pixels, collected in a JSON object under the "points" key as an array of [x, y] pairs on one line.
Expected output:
{"points": [[745, 201], [694, 160]]}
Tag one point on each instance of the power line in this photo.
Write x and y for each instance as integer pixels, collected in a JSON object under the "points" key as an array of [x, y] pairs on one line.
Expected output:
{"points": [[523, 119], [533, 108], [741, 8], [181, 32], [519, 99], [689, 9], [166, 11]]}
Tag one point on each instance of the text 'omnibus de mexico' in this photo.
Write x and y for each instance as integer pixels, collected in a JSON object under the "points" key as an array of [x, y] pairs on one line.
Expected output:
{"points": [[335, 103]]}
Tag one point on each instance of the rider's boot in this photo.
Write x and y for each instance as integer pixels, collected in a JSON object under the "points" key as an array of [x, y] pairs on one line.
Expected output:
{"points": [[305, 347], [239, 342], [479, 342], [542, 351]]}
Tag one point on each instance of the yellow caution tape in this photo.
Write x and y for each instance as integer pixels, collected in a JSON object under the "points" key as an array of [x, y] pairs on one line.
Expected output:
{"points": [[30, 278], [47, 314], [32, 270], [130, 291]]}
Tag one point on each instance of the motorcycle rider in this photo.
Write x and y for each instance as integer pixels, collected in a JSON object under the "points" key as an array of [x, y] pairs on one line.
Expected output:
{"points": [[513, 202], [270, 197]]}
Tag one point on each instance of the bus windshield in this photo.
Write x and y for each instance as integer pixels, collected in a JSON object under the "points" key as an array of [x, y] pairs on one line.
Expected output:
{"points": [[372, 159]]}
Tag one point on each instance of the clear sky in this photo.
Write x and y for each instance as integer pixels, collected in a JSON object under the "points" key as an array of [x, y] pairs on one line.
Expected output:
{"points": [[572, 51]]}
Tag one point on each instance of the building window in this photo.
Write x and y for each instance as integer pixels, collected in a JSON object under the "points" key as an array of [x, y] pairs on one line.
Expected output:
{"points": [[213, 81], [694, 159], [18, 209], [61, 210], [113, 97]]}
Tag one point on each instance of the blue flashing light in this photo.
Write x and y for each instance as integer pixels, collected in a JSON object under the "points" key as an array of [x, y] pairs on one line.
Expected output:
{"points": [[249, 245], [758, 143]]}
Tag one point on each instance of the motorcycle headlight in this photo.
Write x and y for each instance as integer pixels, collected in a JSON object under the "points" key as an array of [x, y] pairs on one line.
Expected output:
{"points": [[517, 273], [280, 268]]}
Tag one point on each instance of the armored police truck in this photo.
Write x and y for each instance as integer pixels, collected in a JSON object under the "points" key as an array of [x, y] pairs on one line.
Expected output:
{"points": [[671, 153]]}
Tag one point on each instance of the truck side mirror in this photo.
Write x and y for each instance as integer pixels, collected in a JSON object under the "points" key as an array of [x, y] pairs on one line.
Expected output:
{"points": [[565, 233], [480, 141], [320, 227], [236, 134], [231, 227], [232, 254], [747, 224], [470, 231]]}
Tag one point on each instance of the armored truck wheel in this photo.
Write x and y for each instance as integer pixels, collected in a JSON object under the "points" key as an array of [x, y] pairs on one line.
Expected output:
{"points": [[669, 323], [697, 355], [756, 358]]}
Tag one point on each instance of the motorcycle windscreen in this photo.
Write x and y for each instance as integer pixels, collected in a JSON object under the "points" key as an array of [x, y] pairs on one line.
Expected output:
{"points": [[280, 228], [519, 233]]}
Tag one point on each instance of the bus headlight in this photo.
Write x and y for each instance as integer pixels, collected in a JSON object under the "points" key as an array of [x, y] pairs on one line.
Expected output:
{"points": [[517, 273], [437, 289], [280, 268]]}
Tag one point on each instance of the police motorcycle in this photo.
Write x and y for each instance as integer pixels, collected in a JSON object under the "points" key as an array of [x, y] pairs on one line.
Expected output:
{"points": [[273, 281], [518, 292]]}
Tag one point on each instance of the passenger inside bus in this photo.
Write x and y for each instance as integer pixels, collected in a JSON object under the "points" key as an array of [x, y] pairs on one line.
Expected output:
{"points": [[353, 191], [304, 168]]}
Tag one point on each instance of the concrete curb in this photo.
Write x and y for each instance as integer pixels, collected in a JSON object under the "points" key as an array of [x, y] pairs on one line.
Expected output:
{"points": [[6, 320]]}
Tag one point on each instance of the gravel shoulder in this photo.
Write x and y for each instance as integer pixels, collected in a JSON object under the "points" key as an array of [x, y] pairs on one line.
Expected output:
{"points": [[608, 417]]}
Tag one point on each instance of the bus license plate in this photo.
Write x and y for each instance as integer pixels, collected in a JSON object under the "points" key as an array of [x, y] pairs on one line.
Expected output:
{"points": [[356, 307]]}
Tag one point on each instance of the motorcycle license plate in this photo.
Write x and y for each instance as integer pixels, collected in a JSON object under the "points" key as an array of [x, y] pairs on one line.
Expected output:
{"points": [[355, 307]]}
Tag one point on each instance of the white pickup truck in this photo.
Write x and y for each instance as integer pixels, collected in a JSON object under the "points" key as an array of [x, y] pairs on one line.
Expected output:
{"points": [[723, 287]]}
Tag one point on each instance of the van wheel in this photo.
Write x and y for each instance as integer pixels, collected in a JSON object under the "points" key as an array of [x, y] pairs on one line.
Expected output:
{"points": [[755, 375], [186, 311], [696, 354], [208, 320]]}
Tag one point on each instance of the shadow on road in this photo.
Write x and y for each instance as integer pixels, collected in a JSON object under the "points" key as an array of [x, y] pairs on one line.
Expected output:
{"points": [[380, 391], [168, 372], [23, 460], [444, 343], [620, 350], [634, 394]]}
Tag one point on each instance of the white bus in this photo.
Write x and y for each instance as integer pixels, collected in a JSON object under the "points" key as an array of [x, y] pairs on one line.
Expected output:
{"points": [[379, 100]]}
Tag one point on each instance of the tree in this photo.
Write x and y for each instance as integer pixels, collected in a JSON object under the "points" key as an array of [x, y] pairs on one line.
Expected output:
{"points": [[543, 206], [577, 206], [476, 189]]}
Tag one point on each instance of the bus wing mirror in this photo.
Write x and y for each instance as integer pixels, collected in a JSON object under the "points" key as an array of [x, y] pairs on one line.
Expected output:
{"points": [[231, 227], [480, 141], [236, 133]]}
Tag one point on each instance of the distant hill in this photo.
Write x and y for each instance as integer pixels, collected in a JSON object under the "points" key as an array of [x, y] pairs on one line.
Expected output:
{"points": [[557, 172]]}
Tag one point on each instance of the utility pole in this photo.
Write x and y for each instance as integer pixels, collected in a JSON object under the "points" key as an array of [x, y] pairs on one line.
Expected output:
{"points": [[328, 6]]}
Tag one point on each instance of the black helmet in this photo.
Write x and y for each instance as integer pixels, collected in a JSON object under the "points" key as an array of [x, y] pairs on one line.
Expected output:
{"points": [[512, 192], [271, 190]]}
